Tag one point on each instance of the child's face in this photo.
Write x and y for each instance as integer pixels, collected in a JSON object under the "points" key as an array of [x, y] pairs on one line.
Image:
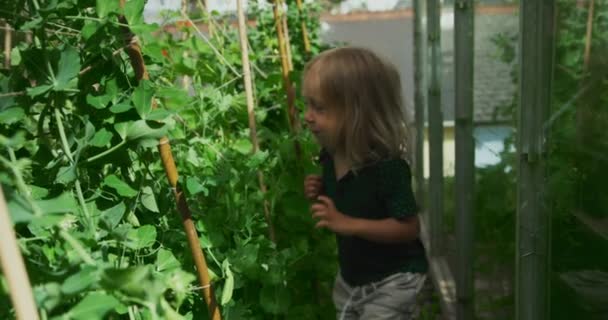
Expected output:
{"points": [[322, 120]]}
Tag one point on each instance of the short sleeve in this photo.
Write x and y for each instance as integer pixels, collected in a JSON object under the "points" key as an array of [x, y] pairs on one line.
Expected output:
{"points": [[394, 187]]}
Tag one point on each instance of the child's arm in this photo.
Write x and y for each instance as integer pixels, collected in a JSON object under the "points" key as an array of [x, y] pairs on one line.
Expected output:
{"points": [[389, 230]]}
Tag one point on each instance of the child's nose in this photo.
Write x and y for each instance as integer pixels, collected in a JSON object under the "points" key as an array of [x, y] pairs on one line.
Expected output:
{"points": [[308, 116]]}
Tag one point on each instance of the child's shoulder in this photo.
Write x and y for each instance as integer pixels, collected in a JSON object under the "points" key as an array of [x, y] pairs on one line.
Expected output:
{"points": [[392, 165]]}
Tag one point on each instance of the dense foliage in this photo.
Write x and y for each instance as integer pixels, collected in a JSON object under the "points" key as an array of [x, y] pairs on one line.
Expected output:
{"points": [[96, 220]]}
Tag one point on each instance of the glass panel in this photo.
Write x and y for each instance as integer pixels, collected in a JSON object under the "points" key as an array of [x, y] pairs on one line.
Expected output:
{"points": [[578, 158]]}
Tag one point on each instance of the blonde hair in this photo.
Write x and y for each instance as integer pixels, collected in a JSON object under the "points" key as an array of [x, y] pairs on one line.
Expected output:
{"points": [[365, 90]]}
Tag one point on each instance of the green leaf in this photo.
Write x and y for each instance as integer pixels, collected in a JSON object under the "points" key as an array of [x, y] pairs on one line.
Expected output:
{"points": [[120, 186], [66, 174], [158, 115], [113, 215], [138, 130], [142, 98], [257, 159], [101, 138], [38, 192], [15, 57], [194, 186], [141, 237], [19, 213], [11, 115], [132, 280], [134, 12], [274, 299], [48, 295], [228, 284], [148, 199], [166, 261], [32, 24], [89, 28], [193, 157], [61, 204], [98, 102], [36, 91], [243, 146], [68, 69], [104, 7], [80, 281], [120, 108], [94, 306]]}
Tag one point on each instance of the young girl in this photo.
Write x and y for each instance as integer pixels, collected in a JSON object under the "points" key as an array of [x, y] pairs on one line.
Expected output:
{"points": [[355, 111]]}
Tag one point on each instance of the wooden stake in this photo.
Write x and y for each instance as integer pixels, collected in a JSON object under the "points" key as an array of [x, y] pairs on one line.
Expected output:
{"points": [[287, 42], [13, 267], [588, 36], [250, 108], [202, 5], [304, 29], [292, 113], [134, 51], [8, 37], [184, 12]]}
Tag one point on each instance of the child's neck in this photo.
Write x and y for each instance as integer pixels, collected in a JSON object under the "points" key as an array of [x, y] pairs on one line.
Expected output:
{"points": [[341, 164]]}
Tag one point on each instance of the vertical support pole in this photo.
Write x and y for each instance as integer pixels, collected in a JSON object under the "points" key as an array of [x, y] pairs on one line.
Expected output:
{"points": [[293, 118], [184, 12], [253, 135], [464, 39], [8, 45], [435, 128], [287, 43], [307, 48], [419, 103], [13, 267], [136, 58], [533, 231]]}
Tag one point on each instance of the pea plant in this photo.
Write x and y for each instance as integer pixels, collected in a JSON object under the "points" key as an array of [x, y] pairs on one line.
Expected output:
{"points": [[96, 220]]}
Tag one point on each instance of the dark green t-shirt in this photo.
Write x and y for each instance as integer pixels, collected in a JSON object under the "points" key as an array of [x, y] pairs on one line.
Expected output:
{"points": [[378, 191]]}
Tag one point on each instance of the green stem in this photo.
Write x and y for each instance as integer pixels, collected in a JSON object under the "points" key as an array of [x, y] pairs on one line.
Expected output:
{"points": [[131, 313], [77, 247], [36, 5], [97, 20], [66, 150], [105, 153], [21, 185], [85, 210], [64, 139]]}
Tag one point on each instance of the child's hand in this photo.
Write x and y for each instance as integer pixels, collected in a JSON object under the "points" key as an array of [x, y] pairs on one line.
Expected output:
{"points": [[312, 186], [329, 217]]}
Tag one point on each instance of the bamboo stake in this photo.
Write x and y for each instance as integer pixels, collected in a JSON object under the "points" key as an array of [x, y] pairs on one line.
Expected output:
{"points": [[14, 268], [281, 37], [8, 38], [588, 35], [250, 106], [184, 12], [292, 113], [134, 51], [287, 42], [202, 5], [307, 49]]}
